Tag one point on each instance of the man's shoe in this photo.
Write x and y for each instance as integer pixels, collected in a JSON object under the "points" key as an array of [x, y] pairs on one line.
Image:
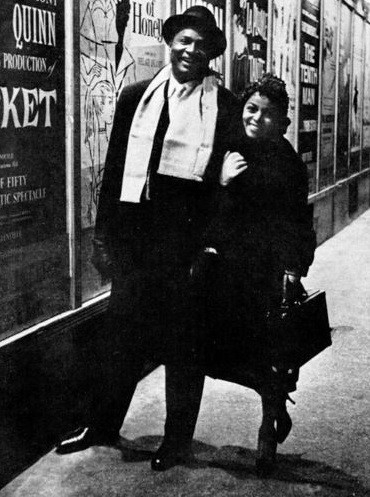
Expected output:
{"points": [[84, 437], [167, 457]]}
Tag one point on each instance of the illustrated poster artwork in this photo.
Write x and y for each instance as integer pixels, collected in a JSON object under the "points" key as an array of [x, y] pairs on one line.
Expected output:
{"points": [[329, 60], [344, 77], [357, 93], [366, 112], [105, 63], [284, 52], [250, 22], [120, 43]]}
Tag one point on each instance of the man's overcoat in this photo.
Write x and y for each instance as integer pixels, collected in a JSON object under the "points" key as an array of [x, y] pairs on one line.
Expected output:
{"points": [[152, 244]]}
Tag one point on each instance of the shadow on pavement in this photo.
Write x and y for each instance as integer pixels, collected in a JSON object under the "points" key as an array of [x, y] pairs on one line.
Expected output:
{"points": [[143, 449], [291, 468], [239, 462]]}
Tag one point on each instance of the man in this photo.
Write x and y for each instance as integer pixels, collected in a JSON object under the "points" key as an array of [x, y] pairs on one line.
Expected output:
{"points": [[162, 169]]}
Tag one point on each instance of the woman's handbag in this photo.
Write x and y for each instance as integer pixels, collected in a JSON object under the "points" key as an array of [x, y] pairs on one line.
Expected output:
{"points": [[298, 330]]}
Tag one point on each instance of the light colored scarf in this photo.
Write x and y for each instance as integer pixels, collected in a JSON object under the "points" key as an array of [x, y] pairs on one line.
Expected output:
{"points": [[188, 143]]}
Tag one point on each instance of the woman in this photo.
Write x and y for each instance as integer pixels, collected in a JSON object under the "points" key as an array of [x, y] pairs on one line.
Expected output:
{"points": [[261, 233]]}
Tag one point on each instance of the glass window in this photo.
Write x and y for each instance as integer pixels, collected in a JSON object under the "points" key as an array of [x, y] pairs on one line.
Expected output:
{"points": [[34, 243]]}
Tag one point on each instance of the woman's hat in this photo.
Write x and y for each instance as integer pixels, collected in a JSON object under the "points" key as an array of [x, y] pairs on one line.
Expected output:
{"points": [[202, 19]]}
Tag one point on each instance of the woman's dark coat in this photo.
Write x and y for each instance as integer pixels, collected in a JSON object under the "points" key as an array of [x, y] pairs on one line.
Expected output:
{"points": [[149, 247], [262, 227]]}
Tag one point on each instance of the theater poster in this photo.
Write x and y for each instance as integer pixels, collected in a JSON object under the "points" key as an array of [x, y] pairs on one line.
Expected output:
{"points": [[121, 43], [284, 53], [357, 94], [366, 113], [328, 91], [33, 243], [344, 77], [309, 87], [250, 23]]}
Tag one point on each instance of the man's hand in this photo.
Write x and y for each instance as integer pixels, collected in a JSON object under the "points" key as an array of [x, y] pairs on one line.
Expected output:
{"points": [[204, 266], [293, 288], [233, 165], [294, 278]]}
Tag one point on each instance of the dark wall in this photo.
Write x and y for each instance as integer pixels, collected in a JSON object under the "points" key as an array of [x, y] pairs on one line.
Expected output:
{"points": [[46, 382], [47, 385]]}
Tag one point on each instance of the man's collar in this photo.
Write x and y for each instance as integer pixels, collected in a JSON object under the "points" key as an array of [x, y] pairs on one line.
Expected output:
{"points": [[175, 85]]}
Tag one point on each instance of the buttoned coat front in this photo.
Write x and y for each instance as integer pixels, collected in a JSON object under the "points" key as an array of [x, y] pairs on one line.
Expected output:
{"points": [[262, 226]]}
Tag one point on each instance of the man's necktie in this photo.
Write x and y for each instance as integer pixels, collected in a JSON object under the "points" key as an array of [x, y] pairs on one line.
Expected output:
{"points": [[178, 96], [156, 153]]}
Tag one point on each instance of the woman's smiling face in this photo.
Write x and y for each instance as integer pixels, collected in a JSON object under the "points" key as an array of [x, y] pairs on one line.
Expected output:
{"points": [[262, 118]]}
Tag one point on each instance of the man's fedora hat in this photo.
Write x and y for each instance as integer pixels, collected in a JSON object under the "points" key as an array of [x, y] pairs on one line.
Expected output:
{"points": [[202, 19]]}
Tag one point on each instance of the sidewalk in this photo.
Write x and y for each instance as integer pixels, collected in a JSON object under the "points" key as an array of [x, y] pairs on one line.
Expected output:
{"points": [[327, 452]]}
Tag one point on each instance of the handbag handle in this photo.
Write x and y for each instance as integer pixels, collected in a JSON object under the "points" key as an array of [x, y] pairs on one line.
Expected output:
{"points": [[298, 297]]}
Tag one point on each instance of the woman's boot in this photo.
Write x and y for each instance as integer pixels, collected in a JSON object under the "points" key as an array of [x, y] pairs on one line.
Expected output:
{"points": [[266, 449], [275, 427], [283, 420], [267, 438]]}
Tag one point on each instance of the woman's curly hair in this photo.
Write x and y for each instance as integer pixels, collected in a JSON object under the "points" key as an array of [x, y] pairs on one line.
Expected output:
{"points": [[269, 86]]}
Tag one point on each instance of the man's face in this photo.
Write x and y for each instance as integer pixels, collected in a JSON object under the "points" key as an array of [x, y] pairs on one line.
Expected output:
{"points": [[262, 119], [188, 54]]}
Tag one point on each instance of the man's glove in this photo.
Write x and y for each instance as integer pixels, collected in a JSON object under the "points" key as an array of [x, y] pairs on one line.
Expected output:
{"points": [[293, 290], [204, 267], [101, 259]]}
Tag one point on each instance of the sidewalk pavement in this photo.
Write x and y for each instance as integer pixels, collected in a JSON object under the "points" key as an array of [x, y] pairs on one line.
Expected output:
{"points": [[327, 452]]}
